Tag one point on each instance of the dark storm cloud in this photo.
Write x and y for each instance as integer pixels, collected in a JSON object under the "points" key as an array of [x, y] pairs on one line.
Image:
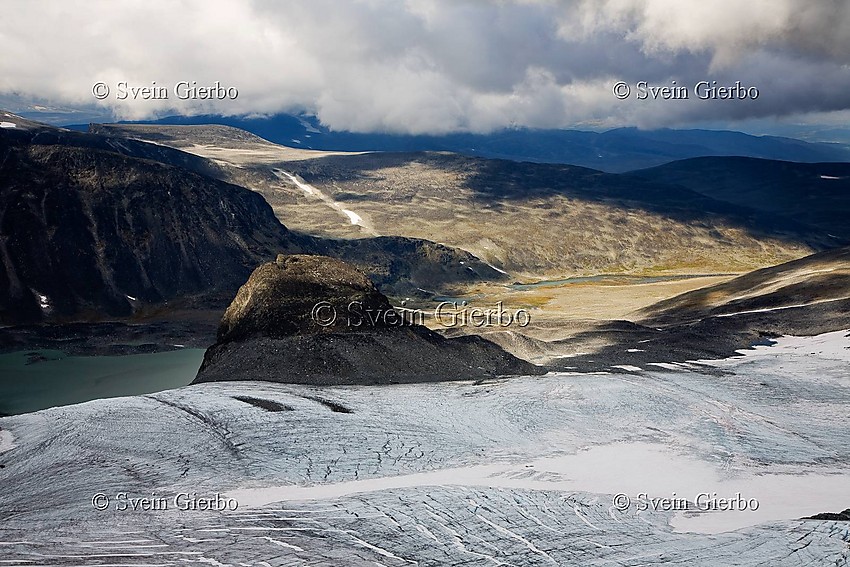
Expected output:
{"points": [[436, 65]]}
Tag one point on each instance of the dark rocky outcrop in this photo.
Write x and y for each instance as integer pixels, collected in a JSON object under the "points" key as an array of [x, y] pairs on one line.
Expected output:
{"points": [[317, 320], [280, 298], [87, 233], [837, 517]]}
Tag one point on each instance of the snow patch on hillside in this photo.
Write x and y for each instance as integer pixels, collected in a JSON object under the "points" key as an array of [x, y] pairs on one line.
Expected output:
{"points": [[311, 191], [355, 218]]}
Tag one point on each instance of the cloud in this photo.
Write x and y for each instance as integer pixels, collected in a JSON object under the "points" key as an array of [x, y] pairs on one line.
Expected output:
{"points": [[434, 66]]}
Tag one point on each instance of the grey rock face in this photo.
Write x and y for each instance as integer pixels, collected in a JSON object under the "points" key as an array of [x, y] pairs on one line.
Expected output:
{"points": [[280, 297], [317, 320], [90, 233]]}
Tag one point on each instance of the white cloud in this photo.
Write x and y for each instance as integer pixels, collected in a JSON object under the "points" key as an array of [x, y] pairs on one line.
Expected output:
{"points": [[435, 65]]}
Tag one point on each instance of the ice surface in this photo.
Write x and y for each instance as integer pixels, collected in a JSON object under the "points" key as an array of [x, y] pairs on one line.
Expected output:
{"points": [[355, 218], [8, 125], [512, 472], [7, 441], [308, 189], [312, 191], [654, 470], [497, 269]]}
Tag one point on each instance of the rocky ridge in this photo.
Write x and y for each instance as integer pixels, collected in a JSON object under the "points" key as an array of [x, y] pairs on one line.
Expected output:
{"points": [[317, 320], [94, 227]]}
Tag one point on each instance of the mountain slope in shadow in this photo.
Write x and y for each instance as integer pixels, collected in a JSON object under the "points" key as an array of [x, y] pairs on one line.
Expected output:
{"points": [[819, 279], [809, 296], [813, 194], [93, 226]]}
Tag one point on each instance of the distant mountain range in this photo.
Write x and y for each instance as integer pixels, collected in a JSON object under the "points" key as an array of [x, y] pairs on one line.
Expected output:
{"points": [[535, 221], [614, 151]]}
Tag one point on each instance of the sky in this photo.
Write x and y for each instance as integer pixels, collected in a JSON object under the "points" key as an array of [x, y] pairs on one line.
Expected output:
{"points": [[437, 66]]}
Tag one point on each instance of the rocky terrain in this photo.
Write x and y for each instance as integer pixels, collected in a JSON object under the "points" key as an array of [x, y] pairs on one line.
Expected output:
{"points": [[534, 221], [317, 320], [88, 233], [804, 297], [95, 227], [814, 194]]}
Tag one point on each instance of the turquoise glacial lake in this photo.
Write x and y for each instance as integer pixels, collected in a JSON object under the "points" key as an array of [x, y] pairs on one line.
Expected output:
{"points": [[34, 380]]}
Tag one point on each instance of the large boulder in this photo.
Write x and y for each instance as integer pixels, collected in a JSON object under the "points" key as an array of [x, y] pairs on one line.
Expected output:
{"points": [[317, 320]]}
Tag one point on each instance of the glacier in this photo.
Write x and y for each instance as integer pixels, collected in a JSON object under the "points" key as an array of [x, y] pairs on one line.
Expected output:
{"points": [[520, 471]]}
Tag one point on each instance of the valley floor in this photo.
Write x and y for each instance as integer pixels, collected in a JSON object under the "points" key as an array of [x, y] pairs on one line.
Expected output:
{"points": [[505, 472]]}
